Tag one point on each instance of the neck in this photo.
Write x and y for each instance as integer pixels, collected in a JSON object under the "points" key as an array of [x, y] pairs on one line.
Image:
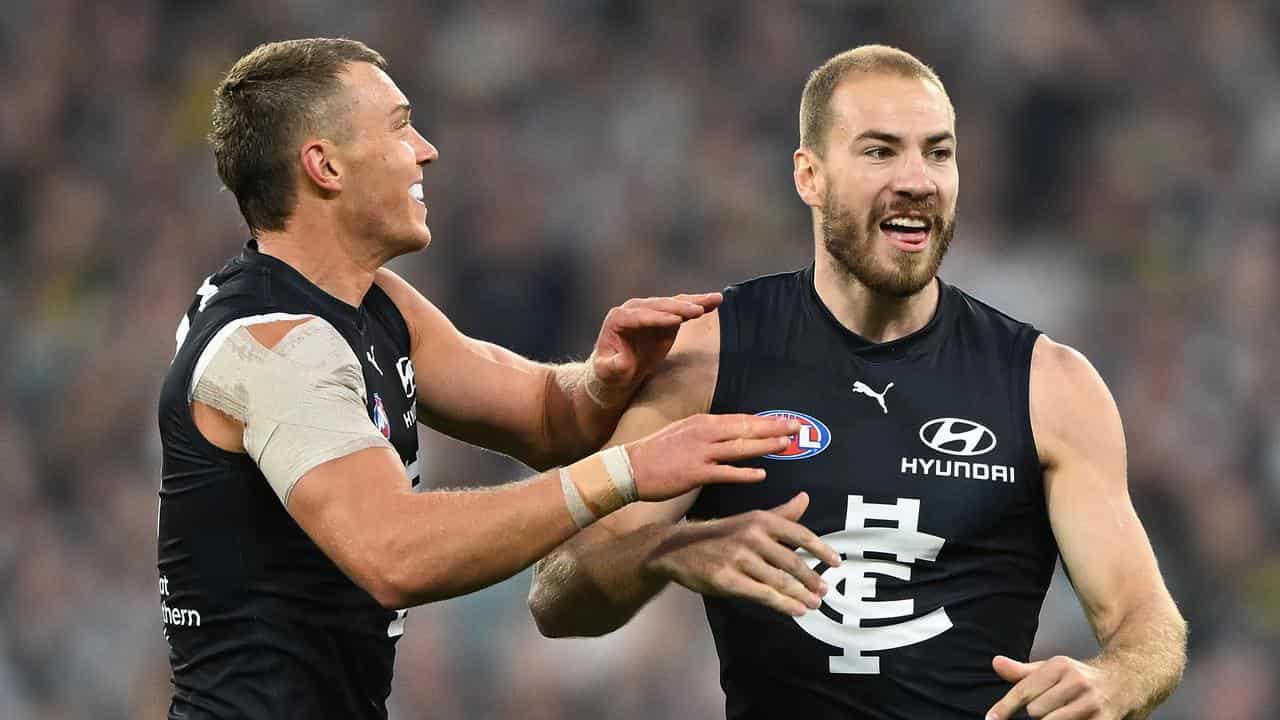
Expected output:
{"points": [[875, 316], [331, 260]]}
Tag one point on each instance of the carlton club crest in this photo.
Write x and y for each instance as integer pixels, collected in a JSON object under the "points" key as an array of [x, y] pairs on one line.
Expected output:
{"points": [[852, 584], [813, 438], [380, 417]]}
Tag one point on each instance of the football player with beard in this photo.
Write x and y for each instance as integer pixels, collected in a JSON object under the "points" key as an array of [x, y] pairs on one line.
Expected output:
{"points": [[949, 453]]}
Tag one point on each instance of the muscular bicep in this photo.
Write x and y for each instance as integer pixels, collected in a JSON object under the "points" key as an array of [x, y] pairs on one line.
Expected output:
{"points": [[479, 392], [682, 386], [338, 502], [467, 388], [1080, 439]]}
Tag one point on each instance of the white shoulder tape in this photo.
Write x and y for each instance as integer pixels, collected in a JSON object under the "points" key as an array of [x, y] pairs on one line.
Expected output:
{"points": [[302, 401]]}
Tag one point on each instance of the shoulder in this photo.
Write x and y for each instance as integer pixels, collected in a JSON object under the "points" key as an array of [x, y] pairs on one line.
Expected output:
{"points": [[684, 383], [970, 305], [406, 297], [393, 285], [271, 364], [762, 287], [420, 314], [756, 312], [1062, 372], [1071, 406], [699, 338], [279, 341]]}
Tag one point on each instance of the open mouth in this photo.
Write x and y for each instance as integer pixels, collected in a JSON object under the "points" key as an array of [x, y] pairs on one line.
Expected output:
{"points": [[907, 232], [415, 192]]}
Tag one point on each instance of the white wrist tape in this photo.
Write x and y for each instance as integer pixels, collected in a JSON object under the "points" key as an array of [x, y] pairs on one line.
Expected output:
{"points": [[598, 484], [618, 463], [582, 517]]}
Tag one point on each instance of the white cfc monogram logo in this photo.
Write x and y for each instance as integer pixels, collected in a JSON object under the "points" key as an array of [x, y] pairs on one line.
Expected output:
{"points": [[855, 603]]}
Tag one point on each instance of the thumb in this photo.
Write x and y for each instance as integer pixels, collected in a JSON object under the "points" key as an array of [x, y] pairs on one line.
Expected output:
{"points": [[1011, 670], [793, 508], [606, 363]]}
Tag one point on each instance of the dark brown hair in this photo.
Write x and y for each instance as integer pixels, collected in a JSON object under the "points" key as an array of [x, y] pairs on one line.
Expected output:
{"points": [[268, 99], [815, 103]]}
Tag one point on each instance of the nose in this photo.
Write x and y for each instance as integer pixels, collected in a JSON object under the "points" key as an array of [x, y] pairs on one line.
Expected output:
{"points": [[426, 152], [912, 178]]}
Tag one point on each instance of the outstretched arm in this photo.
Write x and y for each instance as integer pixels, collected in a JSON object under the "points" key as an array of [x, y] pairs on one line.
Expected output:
{"points": [[540, 414], [1106, 553], [291, 395], [597, 581]]}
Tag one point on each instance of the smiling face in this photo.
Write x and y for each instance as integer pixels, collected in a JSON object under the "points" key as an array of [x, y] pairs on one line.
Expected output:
{"points": [[884, 186], [381, 157]]}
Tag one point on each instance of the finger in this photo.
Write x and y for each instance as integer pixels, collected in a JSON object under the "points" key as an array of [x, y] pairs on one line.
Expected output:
{"points": [[686, 309], [789, 563], [728, 427], [731, 474], [708, 301], [1057, 697], [640, 317], [768, 574], [1027, 690], [611, 367], [1011, 670], [744, 448], [793, 508], [795, 535], [751, 589], [1075, 711]]}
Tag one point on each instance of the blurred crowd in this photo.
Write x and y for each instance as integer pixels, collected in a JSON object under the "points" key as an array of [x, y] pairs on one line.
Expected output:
{"points": [[1119, 163]]}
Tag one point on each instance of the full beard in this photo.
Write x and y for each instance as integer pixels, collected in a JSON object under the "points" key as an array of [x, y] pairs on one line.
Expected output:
{"points": [[850, 244]]}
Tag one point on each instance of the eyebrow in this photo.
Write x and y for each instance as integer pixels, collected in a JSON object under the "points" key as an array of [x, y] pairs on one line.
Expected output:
{"points": [[892, 139]]}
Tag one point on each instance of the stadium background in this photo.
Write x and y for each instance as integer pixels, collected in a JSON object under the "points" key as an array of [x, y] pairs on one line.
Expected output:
{"points": [[1119, 161]]}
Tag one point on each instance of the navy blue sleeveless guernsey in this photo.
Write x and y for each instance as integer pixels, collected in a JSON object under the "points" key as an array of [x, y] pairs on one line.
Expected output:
{"points": [[260, 623], [922, 471]]}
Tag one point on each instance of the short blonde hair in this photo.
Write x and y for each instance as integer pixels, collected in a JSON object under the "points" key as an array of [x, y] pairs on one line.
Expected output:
{"points": [[263, 104], [815, 103]]}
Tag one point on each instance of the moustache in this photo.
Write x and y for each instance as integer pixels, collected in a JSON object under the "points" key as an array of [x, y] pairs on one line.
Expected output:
{"points": [[908, 207]]}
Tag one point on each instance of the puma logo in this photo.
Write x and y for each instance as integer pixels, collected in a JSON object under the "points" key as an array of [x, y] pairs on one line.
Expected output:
{"points": [[373, 360], [861, 388]]}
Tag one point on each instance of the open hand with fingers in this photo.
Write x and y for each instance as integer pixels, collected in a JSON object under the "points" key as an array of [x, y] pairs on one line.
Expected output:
{"points": [[751, 555], [635, 337], [1059, 688], [695, 451]]}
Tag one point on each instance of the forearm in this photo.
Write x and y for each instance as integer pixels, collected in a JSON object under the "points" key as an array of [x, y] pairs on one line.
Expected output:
{"points": [[448, 543], [597, 581], [1148, 651], [541, 414]]}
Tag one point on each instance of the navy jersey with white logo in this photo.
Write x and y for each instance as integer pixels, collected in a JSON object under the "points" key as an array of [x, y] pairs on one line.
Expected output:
{"points": [[260, 623], [922, 472]]}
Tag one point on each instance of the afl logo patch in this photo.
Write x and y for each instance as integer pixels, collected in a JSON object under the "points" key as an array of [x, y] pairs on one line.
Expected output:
{"points": [[380, 417], [813, 438]]}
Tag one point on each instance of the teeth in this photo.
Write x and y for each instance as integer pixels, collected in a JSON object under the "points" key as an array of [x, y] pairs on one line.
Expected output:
{"points": [[415, 191], [913, 223]]}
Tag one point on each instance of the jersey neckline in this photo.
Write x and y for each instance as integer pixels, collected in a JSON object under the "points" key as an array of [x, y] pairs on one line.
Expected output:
{"points": [[912, 345], [252, 255]]}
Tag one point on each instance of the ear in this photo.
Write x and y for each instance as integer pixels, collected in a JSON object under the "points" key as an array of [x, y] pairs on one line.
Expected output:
{"points": [[807, 172], [321, 165]]}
